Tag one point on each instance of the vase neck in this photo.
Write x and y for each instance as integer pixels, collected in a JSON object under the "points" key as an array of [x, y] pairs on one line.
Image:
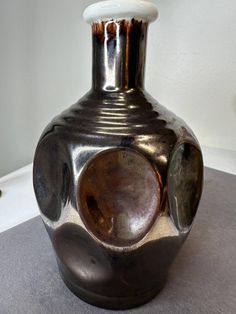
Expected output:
{"points": [[119, 51]]}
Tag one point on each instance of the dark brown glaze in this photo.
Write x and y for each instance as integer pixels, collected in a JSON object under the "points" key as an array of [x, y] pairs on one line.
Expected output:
{"points": [[53, 176], [184, 183], [104, 277], [81, 184], [126, 40]]}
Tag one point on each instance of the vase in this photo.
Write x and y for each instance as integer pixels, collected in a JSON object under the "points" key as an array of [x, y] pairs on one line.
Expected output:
{"points": [[117, 177]]}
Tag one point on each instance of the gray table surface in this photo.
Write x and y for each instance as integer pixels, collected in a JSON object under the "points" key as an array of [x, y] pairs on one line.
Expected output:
{"points": [[202, 279]]}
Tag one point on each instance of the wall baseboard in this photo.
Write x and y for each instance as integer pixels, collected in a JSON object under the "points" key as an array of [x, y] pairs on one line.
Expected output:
{"points": [[220, 159]]}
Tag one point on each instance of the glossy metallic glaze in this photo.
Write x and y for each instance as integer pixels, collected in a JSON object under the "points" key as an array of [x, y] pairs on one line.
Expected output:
{"points": [[119, 50], [107, 255]]}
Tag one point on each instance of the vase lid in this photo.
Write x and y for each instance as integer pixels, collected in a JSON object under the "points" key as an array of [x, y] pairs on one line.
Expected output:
{"points": [[121, 9]]}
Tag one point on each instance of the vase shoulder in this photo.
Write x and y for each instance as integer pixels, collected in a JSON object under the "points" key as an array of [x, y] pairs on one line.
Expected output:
{"points": [[119, 114]]}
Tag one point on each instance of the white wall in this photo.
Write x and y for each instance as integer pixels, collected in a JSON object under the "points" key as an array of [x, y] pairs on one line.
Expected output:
{"points": [[45, 63], [192, 66]]}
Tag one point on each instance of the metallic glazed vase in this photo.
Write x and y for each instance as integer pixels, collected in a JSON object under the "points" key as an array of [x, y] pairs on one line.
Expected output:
{"points": [[117, 177]]}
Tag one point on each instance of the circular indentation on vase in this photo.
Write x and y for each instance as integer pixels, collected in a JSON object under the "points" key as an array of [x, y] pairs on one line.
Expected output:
{"points": [[119, 196], [51, 178], [184, 182], [83, 259]]}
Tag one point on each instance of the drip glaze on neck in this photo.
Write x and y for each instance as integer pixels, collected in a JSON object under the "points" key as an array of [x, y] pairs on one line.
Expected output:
{"points": [[119, 49]]}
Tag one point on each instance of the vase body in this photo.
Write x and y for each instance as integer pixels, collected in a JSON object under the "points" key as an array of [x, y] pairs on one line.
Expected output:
{"points": [[118, 178]]}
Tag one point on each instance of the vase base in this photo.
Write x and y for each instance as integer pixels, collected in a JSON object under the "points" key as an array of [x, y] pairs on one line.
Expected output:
{"points": [[112, 303]]}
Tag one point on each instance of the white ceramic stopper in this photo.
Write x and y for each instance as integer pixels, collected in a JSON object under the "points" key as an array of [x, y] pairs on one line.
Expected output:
{"points": [[120, 9]]}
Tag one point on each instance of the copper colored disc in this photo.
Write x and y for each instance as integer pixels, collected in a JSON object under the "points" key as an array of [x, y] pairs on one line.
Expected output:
{"points": [[119, 196]]}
